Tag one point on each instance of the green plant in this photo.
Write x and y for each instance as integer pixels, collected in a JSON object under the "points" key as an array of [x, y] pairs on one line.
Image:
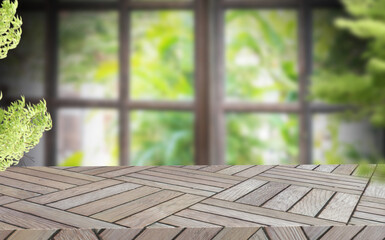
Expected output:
{"points": [[21, 127], [21, 124], [10, 27], [360, 88], [363, 90]]}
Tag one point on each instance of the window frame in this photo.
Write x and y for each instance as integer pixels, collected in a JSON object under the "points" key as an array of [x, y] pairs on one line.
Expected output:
{"points": [[208, 106]]}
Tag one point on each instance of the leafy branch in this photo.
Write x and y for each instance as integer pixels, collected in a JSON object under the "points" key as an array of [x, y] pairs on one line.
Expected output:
{"points": [[21, 127], [10, 27]]}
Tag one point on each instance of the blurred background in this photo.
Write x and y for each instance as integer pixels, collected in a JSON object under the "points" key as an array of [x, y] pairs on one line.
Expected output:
{"points": [[186, 82]]}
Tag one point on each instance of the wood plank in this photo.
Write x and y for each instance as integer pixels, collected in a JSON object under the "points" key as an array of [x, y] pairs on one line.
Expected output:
{"points": [[270, 212], [69, 234], [26, 185], [119, 234], [156, 233], [340, 207], [299, 183], [263, 194], [371, 232], [160, 225], [327, 175], [113, 201], [307, 166], [363, 222], [195, 167], [369, 204], [144, 176], [166, 186], [92, 196], [240, 190], [375, 189], [373, 199], [342, 233], [364, 170], [37, 180], [369, 216], [287, 198], [312, 203], [100, 170], [326, 168], [31, 234], [345, 169], [259, 235], [236, 233], [24, 220], [47, 175], [6, 227], [253, 171], [122, 172], [370, 210], [170, 175], [315, 232], [68, 174], [234, 169], [316, 182], [179, 221], [52, 197], [259, 219], [80, 168], [160, 211], [215, 219], [63, 217], [16, 193], [218, 182], [6, 199], [311, 175], [122, 211], [198, 172], [286, 233], [198, 233], [214, 168], [5, 233]]}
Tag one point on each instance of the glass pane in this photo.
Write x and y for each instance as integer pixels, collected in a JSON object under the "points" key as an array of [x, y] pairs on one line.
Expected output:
{"points": [[88, 55], [161, 138], [22, 72], [261, 139], [261, 55], [162, 61], [328, 52], [339, 141], [87, 137]]}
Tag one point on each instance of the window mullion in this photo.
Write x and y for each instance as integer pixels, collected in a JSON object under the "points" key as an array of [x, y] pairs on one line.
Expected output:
{"points": [[124, 53], [305, 59]]}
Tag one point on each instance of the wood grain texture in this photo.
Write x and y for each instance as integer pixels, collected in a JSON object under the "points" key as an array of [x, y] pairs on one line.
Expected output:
{"points": [[343, 233], [340, 207], [286, 233], [31, 234], [312, 203], [191, 202]]}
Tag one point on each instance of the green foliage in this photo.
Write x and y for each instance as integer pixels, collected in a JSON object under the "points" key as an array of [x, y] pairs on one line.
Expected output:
{"points": [[75, 159], [162, 138], [10, 27], [21, 127], [261, 55], [363, 90]]}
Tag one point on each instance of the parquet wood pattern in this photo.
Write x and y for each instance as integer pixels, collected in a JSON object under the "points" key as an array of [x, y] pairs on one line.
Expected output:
{"points": [[192, 202]]}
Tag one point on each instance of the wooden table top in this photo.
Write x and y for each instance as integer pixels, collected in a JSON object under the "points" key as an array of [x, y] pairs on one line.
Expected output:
{"points": [[191, 202]]}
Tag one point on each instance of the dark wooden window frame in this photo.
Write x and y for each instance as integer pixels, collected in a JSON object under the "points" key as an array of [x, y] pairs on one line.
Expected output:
{"points": [[208, 106]]}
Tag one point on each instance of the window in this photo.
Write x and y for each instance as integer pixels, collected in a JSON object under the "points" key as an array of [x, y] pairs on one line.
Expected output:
{"points": [[177, 82]]}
